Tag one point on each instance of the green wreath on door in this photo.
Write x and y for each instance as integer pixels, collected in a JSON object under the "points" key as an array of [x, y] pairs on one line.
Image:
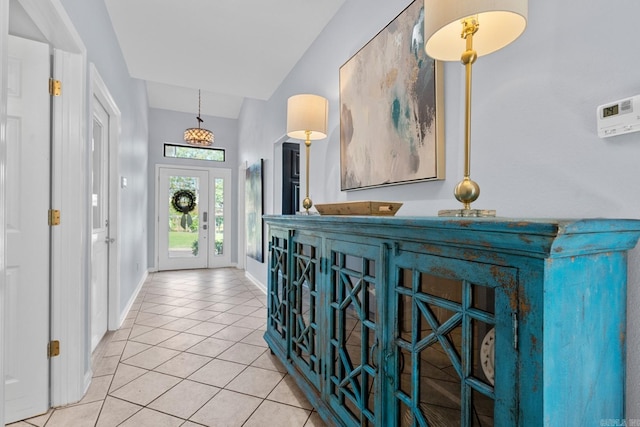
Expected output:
{"points": [[184, 201]]}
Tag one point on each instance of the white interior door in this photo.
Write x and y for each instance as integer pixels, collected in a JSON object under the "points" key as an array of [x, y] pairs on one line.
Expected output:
{"points": [[100, 239], [183, 218], [28, 197]]}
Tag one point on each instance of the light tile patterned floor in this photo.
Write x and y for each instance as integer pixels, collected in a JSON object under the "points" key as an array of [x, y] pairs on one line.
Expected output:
{"points": [[190, 353]]}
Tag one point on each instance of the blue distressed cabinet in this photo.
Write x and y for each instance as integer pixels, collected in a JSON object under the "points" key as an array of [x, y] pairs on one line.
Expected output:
{"points": [[405, 321]]}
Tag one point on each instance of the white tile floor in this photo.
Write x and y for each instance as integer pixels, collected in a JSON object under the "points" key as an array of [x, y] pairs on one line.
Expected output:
{"points": [[190, 353]]}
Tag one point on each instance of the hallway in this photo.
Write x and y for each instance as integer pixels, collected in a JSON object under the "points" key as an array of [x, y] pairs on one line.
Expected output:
{"points": [[190, 353]]}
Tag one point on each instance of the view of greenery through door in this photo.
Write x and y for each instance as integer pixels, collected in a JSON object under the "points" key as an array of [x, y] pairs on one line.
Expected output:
{"points": [[184, 227], [218, 185], [183, 234]]}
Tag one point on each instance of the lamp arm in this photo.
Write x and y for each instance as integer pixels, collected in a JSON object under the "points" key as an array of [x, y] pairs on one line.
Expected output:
{"points": [[467, 191], [468, 58], [307, 203]]}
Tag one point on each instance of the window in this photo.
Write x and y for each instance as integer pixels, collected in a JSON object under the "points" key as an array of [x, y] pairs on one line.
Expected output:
{"points": [[199, 153]]}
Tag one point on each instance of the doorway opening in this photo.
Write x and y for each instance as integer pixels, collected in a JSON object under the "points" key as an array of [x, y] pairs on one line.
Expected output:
{"points": [[290, 178], [105, 197]]}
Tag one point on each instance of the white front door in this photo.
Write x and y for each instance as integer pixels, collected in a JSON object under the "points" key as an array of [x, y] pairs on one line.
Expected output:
{"points": [[183, 215], [100, 239], [200, 238], [26, 307]]}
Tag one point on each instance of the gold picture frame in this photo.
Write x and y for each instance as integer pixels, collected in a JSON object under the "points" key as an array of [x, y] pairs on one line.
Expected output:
{"points": [[391, 109]]}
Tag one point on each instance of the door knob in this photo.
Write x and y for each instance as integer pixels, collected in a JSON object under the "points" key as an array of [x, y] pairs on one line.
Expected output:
{"points": [[108, 240]]}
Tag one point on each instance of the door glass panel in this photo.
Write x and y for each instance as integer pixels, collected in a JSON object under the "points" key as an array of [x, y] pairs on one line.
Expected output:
{"points": [[483, 298], [278, 289], [482, 410], [218, 186], [352, 336], [97, 193], [445, 356], [183, 227], [303, 315]]}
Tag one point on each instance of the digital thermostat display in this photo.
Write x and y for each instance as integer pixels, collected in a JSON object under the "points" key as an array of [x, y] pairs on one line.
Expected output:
{"points": [[610, 111], [619, 117]]}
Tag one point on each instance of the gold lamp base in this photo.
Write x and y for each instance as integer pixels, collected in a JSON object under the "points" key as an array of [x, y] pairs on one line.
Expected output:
{"points": [[307, 203], [467, 191]]}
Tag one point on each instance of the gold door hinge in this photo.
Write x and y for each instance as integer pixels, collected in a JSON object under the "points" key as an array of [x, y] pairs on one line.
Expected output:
{"points": [[54, 217], [55, 87], [53, 348]]}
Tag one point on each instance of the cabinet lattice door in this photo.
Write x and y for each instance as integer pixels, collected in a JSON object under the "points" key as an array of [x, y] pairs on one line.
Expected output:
{"points": [[446, 340], [303, 326], [353, 331]]}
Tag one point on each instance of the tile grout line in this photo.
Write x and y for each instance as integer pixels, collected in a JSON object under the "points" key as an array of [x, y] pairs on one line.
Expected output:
{"points": [[230, 293]]}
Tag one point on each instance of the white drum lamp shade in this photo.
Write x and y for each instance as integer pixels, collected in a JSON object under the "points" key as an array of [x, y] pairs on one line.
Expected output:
{"points": [[307, 113], [501, 22]]}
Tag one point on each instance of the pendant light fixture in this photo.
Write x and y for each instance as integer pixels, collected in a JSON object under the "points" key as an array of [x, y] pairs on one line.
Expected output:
{"points": [[198, 136]]}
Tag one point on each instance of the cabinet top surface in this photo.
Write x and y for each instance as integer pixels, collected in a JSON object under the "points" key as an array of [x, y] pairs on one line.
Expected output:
{"points": [[541, 225], [562, 237]]}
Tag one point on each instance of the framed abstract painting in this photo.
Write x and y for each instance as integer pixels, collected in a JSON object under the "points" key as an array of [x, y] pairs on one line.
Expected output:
{"points": [[391, 108], [253, 210]]}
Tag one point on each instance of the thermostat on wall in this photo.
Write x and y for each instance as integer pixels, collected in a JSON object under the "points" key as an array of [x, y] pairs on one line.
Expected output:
{"points": [[619, 117]]}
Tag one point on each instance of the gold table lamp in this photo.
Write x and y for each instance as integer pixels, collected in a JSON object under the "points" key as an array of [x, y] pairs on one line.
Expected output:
{"points": [[465, 30], [307, 118]]}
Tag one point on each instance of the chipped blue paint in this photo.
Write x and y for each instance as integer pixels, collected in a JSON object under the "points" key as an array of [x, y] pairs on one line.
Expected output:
{"points": [[356, 305]]}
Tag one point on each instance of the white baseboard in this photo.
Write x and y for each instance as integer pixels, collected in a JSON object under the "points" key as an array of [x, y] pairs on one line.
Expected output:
{"points": [[127, 308], [256, 282], [87, 380]]}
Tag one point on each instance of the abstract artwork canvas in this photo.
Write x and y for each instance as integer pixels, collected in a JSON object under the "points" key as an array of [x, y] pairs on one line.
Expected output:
{"points": [[253, 210], [391, 122]]}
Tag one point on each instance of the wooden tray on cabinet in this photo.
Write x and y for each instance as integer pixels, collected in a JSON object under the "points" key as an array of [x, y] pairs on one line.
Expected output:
{"points": [[368, 207]]}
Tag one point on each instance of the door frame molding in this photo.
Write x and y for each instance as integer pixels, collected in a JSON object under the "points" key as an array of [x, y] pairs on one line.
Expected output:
{"points": [[70, 372], [4, 60], [101, 92], [242, 222]]}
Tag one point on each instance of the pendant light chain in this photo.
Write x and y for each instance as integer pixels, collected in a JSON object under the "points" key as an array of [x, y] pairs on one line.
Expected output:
{"points": [[198, 136], [199, 103]]}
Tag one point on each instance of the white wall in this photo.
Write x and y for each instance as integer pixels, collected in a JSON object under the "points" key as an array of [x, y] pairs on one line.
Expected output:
{"points": [[254, 143], [536, 152], [91, 19], [168, 127]]}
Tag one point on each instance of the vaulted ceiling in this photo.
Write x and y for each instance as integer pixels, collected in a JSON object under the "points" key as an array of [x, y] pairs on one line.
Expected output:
{"points": [[230, 49]]}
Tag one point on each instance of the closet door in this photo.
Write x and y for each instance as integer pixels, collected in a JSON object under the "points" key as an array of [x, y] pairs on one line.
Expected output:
{"points": [[27, 301]]}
